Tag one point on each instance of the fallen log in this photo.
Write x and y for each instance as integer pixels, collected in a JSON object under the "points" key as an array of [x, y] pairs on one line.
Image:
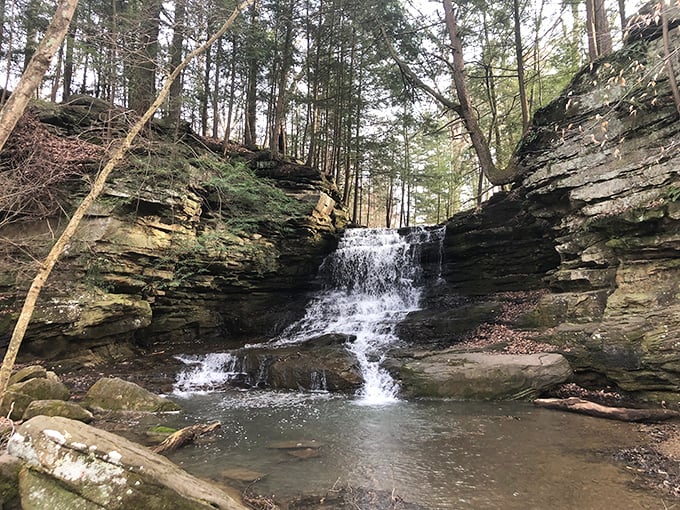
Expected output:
{"points": [[578, 405], [185, 436]]}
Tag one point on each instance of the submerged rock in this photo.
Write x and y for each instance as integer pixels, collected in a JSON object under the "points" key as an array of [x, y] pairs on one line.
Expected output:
{"points": [[71, 465], [483, 376], [115, 394]]}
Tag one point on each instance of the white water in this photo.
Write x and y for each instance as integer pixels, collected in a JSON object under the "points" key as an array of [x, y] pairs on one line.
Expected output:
{"points": [[207, 372], [372, 282]]}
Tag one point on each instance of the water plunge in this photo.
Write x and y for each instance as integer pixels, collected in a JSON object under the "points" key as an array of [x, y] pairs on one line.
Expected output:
{"points": [[373, 280]]}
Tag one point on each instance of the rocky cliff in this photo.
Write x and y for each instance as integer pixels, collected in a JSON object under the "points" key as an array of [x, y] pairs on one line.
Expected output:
{"points": [[185, 245], [592, 225]]}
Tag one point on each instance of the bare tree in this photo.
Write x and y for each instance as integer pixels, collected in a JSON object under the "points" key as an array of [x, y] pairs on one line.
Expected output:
{"points": [[96, 189], [35, 70]]}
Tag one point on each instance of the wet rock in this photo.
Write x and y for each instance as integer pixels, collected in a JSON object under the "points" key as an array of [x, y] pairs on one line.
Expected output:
{"points": [[20, 395], [9, 482], [594, 219], [242, 475], [115, 394], [61, 408], [306, 453], [318, 364], [305, 444], [71, 465], [483, 376]]}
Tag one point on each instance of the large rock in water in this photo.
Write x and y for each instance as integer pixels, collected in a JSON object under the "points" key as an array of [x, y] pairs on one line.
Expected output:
{"points": [[70, 465], [483, 376], [115, 394]]}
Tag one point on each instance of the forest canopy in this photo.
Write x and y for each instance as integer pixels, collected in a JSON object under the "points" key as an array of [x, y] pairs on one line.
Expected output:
{"points": [[319, 81]]}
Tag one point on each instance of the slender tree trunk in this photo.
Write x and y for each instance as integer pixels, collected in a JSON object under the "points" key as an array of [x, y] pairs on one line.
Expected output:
{"points": [[57, 74], [31, 27], [205, 93], [176, 55], [622, 14], [96, 189], [232, 93], [520, 66], [250, 135], [477, 138], [68, 64], [599, 36], [14, 108], [314, 122], [276, 143], [669, 53], [216, 89]]}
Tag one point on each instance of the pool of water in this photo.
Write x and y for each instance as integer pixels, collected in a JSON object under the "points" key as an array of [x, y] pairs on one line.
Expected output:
{"points": [[443, 455]]}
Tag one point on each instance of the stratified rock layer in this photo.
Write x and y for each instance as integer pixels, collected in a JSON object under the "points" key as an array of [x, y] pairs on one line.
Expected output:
{"points": [[183, 246], [594, 220]]}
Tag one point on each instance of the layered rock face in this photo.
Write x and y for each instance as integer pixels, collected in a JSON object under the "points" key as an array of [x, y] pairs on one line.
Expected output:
{"points": [[594, 220], [183, 246]]}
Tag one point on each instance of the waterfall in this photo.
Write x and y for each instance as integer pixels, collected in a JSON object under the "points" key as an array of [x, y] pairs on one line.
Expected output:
{"points": [[372, 282]]}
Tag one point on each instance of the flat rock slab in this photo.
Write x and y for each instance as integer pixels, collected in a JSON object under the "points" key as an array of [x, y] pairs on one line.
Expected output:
{"points": [[483, 376]]}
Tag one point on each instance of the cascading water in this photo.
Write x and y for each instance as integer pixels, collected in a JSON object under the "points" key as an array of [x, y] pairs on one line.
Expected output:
{"points": [[372, 283]]}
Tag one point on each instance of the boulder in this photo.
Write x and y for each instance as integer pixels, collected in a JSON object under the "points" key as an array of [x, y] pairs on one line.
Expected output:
{"points": [[483, 376], [26, 373], [115, 394], [317, 364], [72, 465], [20, 395], [57, 408], [9, 482]]}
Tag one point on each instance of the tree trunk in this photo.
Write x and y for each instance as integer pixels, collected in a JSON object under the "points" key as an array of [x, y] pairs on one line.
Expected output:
{"points": [[68, 64], [35, 70], [477, 138], [520, 67], [176, 55], [143, 61], [250, 135], [276, 142], [668, 54], [599, 36], [185, 436], [622, 14], [96, 189]]}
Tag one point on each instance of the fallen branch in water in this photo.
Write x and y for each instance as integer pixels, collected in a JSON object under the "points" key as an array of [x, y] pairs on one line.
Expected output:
{"points": [[185, 436], [578, 405]]}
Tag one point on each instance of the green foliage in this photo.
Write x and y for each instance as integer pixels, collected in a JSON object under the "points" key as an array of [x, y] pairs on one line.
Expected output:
{"points": [[248, 203], [673, 193], [94, 278]]}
